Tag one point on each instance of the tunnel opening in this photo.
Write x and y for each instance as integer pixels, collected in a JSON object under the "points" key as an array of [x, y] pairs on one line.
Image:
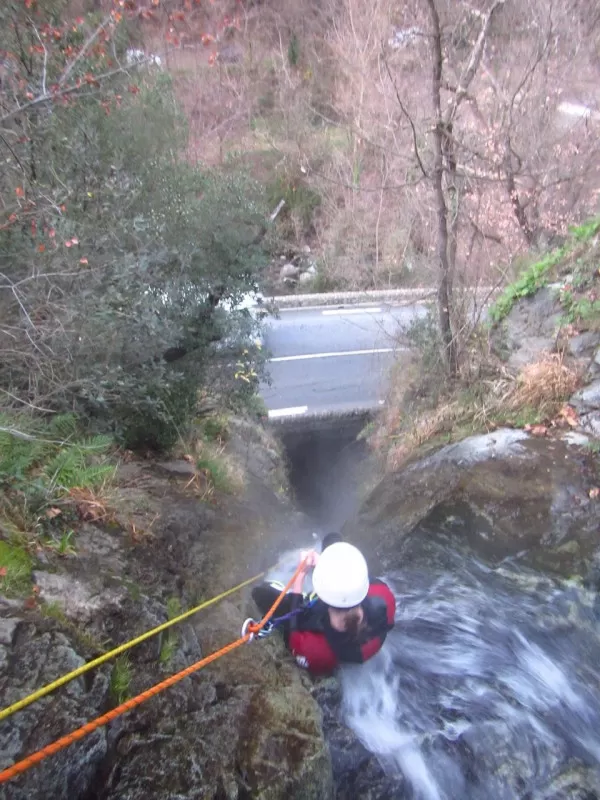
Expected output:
{"points": [[326, 465]]}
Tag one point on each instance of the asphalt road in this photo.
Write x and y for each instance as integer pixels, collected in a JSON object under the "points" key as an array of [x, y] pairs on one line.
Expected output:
{"points": [[332, 359]]}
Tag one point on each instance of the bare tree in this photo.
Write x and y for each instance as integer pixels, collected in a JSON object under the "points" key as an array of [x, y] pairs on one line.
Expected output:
{"points": [[444, 171]]}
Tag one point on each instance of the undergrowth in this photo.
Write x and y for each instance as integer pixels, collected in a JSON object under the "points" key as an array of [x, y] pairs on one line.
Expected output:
{"points": [[417, 419], [541, 271], [425, 410], [169, 640], [120, 679], [49, 474], [214, 469]]}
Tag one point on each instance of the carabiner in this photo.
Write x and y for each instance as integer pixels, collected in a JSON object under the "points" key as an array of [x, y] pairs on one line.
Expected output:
{"points": [[245, 627]]}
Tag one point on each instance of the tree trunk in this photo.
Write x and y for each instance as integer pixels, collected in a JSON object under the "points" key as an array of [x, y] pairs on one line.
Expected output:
{"points": [[513, 195], [444, 288]]}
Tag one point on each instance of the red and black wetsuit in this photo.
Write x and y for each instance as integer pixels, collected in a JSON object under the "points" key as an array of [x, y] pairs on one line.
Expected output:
{"points": [[320, 649]]}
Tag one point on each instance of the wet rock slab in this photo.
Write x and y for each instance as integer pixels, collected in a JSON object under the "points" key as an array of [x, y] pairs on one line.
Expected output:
{"points": [[502, 495]]}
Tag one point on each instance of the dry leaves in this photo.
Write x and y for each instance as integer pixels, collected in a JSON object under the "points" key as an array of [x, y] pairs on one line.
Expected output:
{"points": [[90, 506], [568, 415], [537, 430]]}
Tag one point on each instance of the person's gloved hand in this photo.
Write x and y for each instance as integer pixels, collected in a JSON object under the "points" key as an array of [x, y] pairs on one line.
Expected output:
{"points": [[309, 558]]}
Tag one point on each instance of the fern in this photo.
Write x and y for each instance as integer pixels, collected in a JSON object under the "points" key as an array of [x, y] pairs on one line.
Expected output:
{"points": [[17, 453], [70, 468], [63, 427]]}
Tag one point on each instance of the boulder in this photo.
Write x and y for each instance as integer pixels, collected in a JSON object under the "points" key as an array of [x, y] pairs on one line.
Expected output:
{"points": [[289, 271], [588, 398], [584, 344], [502, 495], [531, 327]]}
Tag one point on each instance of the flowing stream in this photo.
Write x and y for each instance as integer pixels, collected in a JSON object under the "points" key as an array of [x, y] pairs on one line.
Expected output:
{"points": [[487, 689]]}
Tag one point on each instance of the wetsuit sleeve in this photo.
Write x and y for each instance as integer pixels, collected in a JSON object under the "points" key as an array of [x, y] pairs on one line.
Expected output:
{"points": [[312, 652]]}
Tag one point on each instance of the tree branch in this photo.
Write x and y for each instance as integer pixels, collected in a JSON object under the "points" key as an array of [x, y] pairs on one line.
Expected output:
{"points": [[474, 60], [408, 117], [86, 46]]}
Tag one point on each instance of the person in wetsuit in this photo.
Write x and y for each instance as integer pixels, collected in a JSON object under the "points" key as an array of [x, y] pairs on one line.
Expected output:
{"points": [[351, 617]]}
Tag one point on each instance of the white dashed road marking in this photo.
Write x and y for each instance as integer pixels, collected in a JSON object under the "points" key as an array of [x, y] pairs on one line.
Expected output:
{"points": [[331, 312], [294, 411], [307, 356]]}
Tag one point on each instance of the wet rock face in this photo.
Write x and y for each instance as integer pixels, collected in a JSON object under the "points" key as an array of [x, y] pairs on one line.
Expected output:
{"points": [[356, 772], [246, 727], [501, 495], [531, 327], [37, 657]]}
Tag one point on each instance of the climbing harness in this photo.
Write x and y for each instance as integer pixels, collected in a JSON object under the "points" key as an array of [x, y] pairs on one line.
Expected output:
{"points": [[96, 662], [268, 629], [252, 629]]}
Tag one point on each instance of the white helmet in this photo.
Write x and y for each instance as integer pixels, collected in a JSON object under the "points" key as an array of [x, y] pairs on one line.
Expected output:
{"points": [[341, 576]]}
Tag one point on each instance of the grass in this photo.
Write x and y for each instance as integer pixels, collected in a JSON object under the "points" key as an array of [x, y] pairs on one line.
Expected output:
{"points": [[120, 679], [55, 611], [48, 469], [62, 545], [216, 470], [537, 274], [534, 277], [169, 639], [215, 428], [408, 427], [15, 570]]}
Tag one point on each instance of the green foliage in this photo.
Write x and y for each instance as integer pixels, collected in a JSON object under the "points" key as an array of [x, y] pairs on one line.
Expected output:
{"points": [[301, 200], [578, 310], [423, 334], [15, 569], [120, 679], [167, 649], [583, 233], [169, 640], [54, 610], [579, 297], [527, 415], [532, 279], [62, 545], [215, 468], [173, 607], [123, 251], [215, 428], [256, 407], [40, 462], [323, 283]]}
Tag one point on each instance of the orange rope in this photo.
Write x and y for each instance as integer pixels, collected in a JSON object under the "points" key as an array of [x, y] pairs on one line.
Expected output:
{"points": [[128, 705]]}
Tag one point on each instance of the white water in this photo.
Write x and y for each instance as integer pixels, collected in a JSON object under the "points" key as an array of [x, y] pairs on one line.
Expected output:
{"points": [[487, 689]]}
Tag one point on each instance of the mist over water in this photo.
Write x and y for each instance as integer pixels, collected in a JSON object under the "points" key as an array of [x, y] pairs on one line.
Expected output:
{"points": [[488, 688]]}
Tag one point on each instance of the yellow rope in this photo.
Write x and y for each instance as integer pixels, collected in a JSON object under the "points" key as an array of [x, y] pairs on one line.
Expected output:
{"points": [[7, 712], [89, 727]]}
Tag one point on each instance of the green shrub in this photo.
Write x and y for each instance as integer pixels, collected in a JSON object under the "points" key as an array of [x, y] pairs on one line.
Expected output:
{"points": [[136, 247], [423, 334], [533, 278]]}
